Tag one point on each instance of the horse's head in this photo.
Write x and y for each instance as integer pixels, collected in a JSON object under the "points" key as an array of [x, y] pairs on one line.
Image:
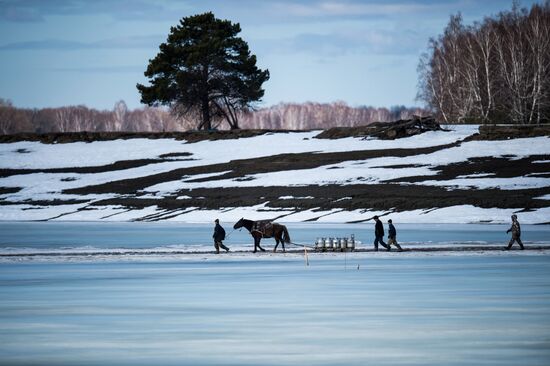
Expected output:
{"points": [[239, 224]]}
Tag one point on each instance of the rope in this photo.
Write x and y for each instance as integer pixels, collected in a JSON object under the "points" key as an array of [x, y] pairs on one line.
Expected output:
{"points": [[300, 245], [227, 235]]}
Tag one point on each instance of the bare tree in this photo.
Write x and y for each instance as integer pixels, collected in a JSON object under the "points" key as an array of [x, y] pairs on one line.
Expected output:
{"points": [[538, 31], [485, 40], [13, 119], [120, 111], [493, 71], [7, 116]]}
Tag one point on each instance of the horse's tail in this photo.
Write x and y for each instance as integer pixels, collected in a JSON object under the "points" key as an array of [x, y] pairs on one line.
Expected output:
{"points": [[286, 235]]}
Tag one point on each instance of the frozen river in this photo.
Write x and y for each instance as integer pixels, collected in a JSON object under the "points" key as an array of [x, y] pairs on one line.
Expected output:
{"points": [[491, 308], [106, 237]]}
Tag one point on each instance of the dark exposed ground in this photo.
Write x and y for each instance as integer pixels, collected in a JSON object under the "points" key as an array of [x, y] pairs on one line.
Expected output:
{"points": [[500, 167], [400, 194], [504, 132], [487, 132], [6, 190], [55, 202], [119, 165], [375, 196], [246, 167], [384, 130], [85, 136]]}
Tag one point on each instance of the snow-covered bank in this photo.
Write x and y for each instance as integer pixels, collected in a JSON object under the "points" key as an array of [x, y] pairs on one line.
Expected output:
{"points": [[141, 179], [36, 155]]}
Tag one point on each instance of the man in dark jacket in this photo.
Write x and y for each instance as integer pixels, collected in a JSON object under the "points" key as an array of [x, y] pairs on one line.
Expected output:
{"points": [[379, 234], [219, 235], [516, 233], [392, 236]]}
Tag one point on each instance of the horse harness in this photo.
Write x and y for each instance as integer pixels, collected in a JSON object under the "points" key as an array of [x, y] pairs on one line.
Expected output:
{"points": [[262, 227]]}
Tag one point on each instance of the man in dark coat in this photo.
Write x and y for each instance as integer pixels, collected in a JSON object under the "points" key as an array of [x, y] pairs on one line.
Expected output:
{"points": [[516, 233], [219, 235], [392, 236], [379, 234]]}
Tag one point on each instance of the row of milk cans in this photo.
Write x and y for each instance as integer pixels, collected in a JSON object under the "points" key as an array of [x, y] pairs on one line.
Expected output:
{"points": [[335, 244]]}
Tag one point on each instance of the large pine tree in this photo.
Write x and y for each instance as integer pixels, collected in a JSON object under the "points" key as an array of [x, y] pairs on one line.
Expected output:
{"points": [[204, 70]]}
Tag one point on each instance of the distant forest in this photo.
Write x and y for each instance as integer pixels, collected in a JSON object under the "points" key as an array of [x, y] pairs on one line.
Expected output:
{"points": [[150, 119]]}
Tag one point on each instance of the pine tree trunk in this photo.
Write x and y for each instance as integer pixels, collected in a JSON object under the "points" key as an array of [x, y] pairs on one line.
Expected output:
{"points": [[206, 121]]}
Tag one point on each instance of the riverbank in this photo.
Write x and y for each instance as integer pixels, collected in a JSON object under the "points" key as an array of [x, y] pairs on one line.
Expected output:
{"points": [[456, 175]]}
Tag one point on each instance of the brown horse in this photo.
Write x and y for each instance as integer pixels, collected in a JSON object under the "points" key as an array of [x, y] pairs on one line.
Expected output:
{"points": [[265, 229]]}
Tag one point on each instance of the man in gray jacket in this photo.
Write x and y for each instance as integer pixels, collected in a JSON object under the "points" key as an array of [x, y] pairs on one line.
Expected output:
{"points": [[516, 233], [392, 236]]}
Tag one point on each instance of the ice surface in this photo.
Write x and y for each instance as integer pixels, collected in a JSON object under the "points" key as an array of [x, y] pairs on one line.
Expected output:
{"points": [[461, 310]]}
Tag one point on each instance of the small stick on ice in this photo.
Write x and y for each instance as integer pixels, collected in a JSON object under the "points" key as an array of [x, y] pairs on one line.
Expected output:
{"points": [[305, 256]]}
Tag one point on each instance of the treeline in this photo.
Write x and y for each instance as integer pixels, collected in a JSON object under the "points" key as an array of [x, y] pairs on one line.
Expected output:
{"points": [[494, 71], [149, 119], [323, 115], [81, 118]]}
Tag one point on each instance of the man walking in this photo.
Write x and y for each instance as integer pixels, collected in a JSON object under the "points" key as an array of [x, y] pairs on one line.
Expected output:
{"points": [[219, 235], [516, 233], [392, 236], [379, 234]]}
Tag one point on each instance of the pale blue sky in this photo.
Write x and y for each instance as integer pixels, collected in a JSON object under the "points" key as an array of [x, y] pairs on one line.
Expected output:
{"points": [[67, 52]]}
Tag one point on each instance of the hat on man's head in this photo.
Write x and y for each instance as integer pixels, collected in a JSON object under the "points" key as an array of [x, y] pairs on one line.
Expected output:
{"points": [[216, 220], [389, 221], [375, 217]]}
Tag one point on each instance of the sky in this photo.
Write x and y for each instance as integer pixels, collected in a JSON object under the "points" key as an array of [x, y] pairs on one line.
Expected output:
{"points": [[93, 52]]}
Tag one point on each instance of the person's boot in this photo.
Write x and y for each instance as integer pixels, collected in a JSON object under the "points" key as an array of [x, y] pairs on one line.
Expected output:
{"points": [[399, 247]]}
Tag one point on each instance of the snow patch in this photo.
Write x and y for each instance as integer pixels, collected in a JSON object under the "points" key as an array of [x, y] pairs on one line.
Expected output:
{"points": [[296, 198]]}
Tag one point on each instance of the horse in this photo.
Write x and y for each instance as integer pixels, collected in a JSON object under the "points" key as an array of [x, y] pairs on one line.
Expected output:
{"points": [[265, 229]]}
